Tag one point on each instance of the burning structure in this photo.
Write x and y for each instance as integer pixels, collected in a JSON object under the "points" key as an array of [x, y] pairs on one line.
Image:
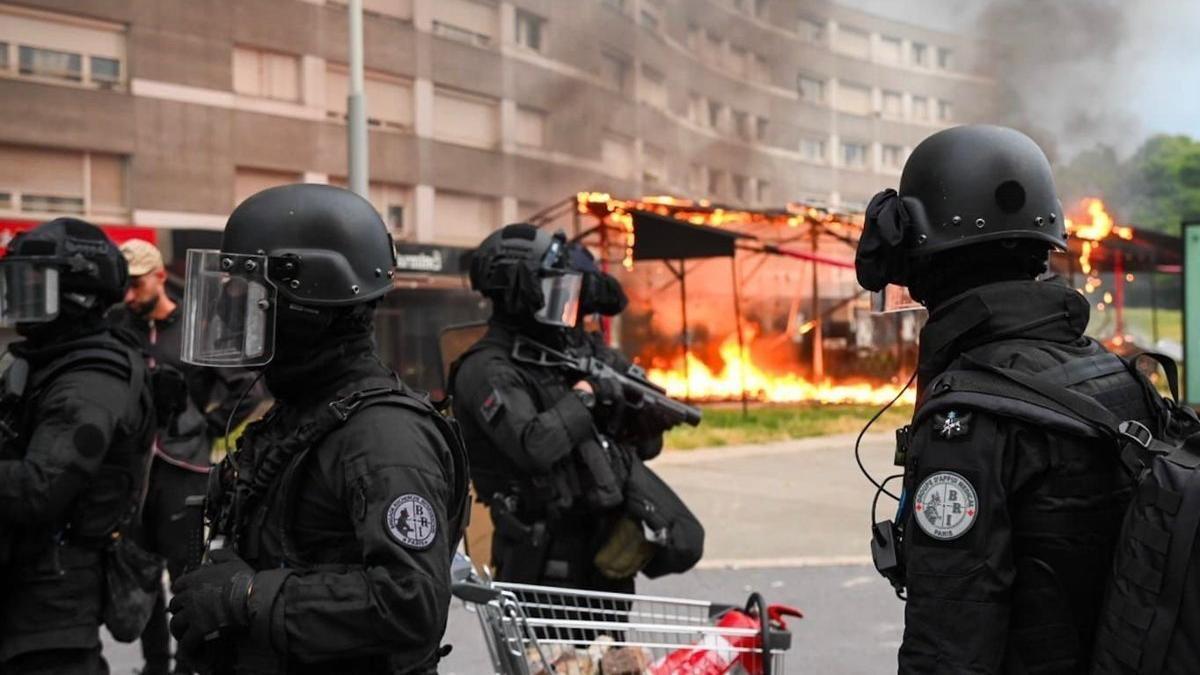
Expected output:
{"points": [[730, 304]]}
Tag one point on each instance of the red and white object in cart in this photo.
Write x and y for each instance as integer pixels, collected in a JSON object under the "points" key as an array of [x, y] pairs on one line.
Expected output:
{"points": [[718, 654]]}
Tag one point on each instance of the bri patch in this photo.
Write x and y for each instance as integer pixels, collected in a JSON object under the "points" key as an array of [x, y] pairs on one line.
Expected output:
{"points": [[952, 424], [492, 405], [945, 505], [410, 520]]}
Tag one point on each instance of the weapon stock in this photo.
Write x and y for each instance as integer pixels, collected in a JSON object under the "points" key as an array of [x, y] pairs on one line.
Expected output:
{"points": [[634, 382]]}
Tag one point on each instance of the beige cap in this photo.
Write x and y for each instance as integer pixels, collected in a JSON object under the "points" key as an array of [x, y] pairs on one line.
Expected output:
{"points": [[142, 256]]}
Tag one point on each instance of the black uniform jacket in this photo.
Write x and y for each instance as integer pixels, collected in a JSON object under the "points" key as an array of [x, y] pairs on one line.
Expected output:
{"points": [[65, 483], [353, 537], [1012, 522]]}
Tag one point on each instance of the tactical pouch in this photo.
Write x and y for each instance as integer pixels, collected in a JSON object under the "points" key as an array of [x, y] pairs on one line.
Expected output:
{"points": [[133, 580], [519, 550], [677, 532], [604, 486]]}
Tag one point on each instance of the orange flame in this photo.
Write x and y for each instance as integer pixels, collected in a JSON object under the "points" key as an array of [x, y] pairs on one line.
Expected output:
{"points": [[702, 383], [1091, 222]]}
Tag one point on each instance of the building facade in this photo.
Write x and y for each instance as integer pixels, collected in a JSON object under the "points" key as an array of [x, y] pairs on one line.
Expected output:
{"points": [[165, 114]]}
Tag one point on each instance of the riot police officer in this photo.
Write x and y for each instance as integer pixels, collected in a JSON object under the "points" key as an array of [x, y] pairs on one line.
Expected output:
{"points": [[341, 509], [77, 423], [528, 427], [1010, 510]]}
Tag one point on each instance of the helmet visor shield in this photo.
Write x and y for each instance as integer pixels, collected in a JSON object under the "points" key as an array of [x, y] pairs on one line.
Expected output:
{"points": [[228, 310], [28, 292], [561, 293]]}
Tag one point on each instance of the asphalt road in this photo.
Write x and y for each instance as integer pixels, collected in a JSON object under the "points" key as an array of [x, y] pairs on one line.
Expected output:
{"points": [[789, 520]]}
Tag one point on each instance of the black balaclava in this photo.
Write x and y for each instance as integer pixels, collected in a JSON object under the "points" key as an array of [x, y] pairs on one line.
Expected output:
{"points": [[942, 276], [78, 318], [316, 349]]}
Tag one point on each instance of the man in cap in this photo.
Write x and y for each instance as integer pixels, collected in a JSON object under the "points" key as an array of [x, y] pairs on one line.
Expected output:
{"points": [[195, 406]]}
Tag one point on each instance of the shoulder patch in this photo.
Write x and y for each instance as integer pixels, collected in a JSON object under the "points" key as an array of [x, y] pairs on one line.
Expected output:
{"points": [[492, 405], [411, 522], [945, 505], [952, 424]]}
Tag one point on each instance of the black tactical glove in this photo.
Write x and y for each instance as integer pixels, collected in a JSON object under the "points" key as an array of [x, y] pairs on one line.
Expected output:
{"points": [[209, 603], [610, 401]]}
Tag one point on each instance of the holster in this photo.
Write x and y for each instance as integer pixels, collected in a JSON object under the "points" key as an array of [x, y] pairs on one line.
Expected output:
{"points": [[519, 549]]}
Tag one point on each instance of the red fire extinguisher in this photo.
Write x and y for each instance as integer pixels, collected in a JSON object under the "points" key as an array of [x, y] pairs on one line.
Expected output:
{"points": [[718, 654]]}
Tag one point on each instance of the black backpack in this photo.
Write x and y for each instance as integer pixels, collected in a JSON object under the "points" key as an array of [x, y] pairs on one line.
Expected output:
{"points": [[1150, 622]]}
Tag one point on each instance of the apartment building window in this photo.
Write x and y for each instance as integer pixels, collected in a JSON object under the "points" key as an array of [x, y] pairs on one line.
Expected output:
{"points": [[651, 15], [531, 127], [396, 9], [854, 154], [614, 70], [762, 191], [248, 181], [893, 156], [742, 124], [893, 104], [695, 37], [465, 119], [716, 182], [945, 58], [810, 30], [853, 42], [51, 63], [390, 200], [618, 5], [811, 89], [920, 54], [854, 98], [654, 165], [616, 152], [41, 182], [654, 87], [891, 50], [61, 50], [945, 111], [714, 49], [760, 129], [530, 30], [467, 21], [760, 9], [265, 74], [389, 99], [812, 148], [741, 187], [715, 115], [464, 218], [920, 108]]}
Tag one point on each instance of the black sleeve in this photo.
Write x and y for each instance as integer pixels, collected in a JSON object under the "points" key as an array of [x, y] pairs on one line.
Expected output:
{"points": [[958, 539], [491, 392], [387, 462], [76, 420]]}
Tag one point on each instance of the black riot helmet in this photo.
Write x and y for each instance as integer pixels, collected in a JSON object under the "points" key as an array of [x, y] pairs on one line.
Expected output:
{"points": [[963, 186], [316, 246], [602, 293], [62, 258], [523, 270]]}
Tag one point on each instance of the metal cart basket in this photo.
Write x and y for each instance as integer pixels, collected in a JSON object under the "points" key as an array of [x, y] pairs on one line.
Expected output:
{"points": [[541, 630]]}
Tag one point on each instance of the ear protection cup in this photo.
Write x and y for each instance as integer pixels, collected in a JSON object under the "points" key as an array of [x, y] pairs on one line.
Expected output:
{"points": [[882, 257]]}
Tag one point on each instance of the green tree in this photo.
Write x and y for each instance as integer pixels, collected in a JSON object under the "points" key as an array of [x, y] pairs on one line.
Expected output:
{"points": [[1161, 185]]}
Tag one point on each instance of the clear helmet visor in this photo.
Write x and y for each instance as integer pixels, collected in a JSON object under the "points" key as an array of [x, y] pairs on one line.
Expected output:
{"points": [[228, 310], [561, 293], [28, 292]]}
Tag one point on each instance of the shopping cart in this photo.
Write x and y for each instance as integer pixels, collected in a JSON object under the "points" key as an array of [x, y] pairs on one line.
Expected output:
{"points": [[541, 630]]}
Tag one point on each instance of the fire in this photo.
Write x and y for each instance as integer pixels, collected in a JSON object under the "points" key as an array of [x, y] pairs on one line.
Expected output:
{"points": [[1093, 224], [701, 382]]}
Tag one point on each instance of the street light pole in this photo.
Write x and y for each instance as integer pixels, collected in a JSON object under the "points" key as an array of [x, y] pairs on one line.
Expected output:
{"points": [[356, 107]]}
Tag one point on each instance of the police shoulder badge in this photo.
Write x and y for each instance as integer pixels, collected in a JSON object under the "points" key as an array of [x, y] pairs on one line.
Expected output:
{"points": [[945, 505], [411, 521], [952, 424]]}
